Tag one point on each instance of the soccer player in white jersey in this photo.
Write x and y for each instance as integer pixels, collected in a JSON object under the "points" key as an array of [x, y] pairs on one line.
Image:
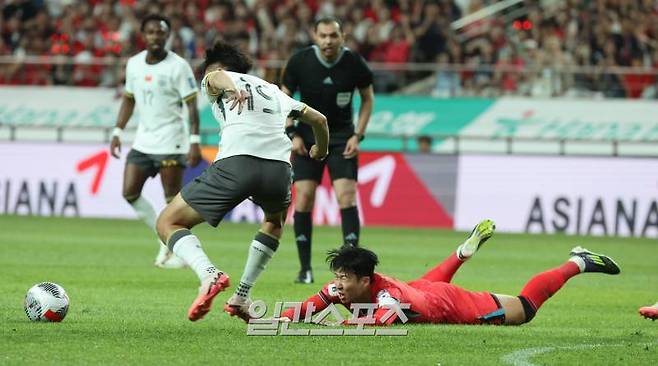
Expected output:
{"points": [[158, 82], [253, 163]]}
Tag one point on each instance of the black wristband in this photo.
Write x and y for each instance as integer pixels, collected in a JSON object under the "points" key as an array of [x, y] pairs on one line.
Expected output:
{"points": [[291, 131], [360, 136]]}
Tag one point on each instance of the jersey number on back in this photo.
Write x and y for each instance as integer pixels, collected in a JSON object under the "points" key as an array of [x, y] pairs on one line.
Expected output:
{"points": [[250, 98]]}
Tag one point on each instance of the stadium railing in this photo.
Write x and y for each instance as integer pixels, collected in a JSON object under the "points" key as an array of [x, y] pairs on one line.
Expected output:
{"points": [[444, 144], [422, 79], [450, 80]]}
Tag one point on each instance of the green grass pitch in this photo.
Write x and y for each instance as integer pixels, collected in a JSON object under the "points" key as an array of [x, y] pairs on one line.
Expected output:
{"points": [[125, 311]]}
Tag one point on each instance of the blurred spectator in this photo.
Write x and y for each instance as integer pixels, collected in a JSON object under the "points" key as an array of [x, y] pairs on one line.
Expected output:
{"points": [[529, 54], [424, 144], [448, 83]]}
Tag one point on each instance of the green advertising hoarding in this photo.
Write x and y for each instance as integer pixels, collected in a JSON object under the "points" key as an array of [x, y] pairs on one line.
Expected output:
{"points": [[397, 116]]}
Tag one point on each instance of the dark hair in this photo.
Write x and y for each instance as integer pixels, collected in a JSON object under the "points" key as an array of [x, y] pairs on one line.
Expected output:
{"points": [[359, 261], [229, 56], [425, 138], [155, 17], [328, 20]]}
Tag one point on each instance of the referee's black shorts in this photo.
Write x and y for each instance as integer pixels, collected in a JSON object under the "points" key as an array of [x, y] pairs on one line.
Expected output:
{"points": [[305, 168]]}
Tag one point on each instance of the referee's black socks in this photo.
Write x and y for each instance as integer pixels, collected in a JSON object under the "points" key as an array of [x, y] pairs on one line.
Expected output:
{"points": [[303, 229], [351, 225]]}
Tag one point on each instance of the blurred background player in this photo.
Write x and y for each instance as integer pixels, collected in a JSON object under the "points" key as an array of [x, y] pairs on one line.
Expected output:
{"points": [[650, 312], [158, 81], [433, 299], [253, 162], [326, 75], [424, 144]]}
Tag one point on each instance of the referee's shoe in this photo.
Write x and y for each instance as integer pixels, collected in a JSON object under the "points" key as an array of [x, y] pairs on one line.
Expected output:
{"points": [[304, 276]]}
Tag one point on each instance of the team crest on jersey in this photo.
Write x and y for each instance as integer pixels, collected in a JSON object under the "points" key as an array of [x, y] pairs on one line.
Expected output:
{"points": [[333, 291], [343, 99], [385, 298], [148, 78]]}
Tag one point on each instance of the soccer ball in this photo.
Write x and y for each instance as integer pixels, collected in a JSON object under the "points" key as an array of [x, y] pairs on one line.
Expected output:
{"points": [[46, 302]]}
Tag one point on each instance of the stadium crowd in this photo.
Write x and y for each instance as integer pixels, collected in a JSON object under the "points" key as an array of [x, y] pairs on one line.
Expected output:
{"points": [[496, 55]]}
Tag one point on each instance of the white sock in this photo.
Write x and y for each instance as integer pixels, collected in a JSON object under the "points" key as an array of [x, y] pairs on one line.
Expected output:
{"points": [[259, 255], [144, 210], [163, 249], [188, 248]]}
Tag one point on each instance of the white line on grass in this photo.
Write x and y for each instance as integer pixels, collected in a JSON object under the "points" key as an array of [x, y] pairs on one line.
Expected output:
{"points": [[522, 356]]}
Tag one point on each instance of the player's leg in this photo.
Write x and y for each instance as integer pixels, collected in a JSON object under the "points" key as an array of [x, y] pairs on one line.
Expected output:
{"points": [[206, 198], [649, 312], [273, 195], [174, 226], [522, 309], [307, 176], [350, 223], [138, 169], [171, 176], [344, 177], [446, 269], [261, 251]]}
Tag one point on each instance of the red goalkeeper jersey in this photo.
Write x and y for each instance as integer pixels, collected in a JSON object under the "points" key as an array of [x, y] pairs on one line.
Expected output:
{"points": [[430, 302]]}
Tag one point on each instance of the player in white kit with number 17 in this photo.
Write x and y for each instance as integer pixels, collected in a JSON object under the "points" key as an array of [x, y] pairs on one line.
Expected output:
{"points": [[253, 163], [158, 82]]}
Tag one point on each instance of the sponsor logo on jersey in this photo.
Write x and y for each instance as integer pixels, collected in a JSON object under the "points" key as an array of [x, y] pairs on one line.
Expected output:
{"points": [[343, 99]]}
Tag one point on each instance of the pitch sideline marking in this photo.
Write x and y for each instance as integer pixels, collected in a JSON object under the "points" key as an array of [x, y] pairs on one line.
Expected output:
{"points": [[522, 356]]}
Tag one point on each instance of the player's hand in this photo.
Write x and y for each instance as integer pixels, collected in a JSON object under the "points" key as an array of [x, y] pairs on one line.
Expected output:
{"points": [[316, 154], [115, 147], [351, 148], [236, 99], [194, 155], [298, 146]]}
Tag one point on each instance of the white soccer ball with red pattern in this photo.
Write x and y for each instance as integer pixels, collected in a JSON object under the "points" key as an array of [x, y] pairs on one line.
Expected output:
{"points": [[46, 302]]}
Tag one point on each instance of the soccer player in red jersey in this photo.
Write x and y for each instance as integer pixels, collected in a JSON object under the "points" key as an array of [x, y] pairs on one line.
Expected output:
{"points": [[433, 298]]}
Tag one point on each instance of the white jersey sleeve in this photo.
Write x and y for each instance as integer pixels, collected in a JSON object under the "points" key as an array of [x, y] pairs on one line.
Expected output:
{"points": [[184, 81], [289, 105], [204, 90], [129, 88]]}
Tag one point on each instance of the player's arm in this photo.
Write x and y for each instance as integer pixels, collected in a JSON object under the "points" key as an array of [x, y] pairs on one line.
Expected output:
{"points": [[187, 89], [320, 127], [365, 110], [288, 86], [319, 302], [194, 156], [219, 84], [125, 112], [383, 315]]}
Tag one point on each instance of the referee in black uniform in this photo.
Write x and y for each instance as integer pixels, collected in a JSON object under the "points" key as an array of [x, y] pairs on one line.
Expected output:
{"points": [[326, 75]]}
